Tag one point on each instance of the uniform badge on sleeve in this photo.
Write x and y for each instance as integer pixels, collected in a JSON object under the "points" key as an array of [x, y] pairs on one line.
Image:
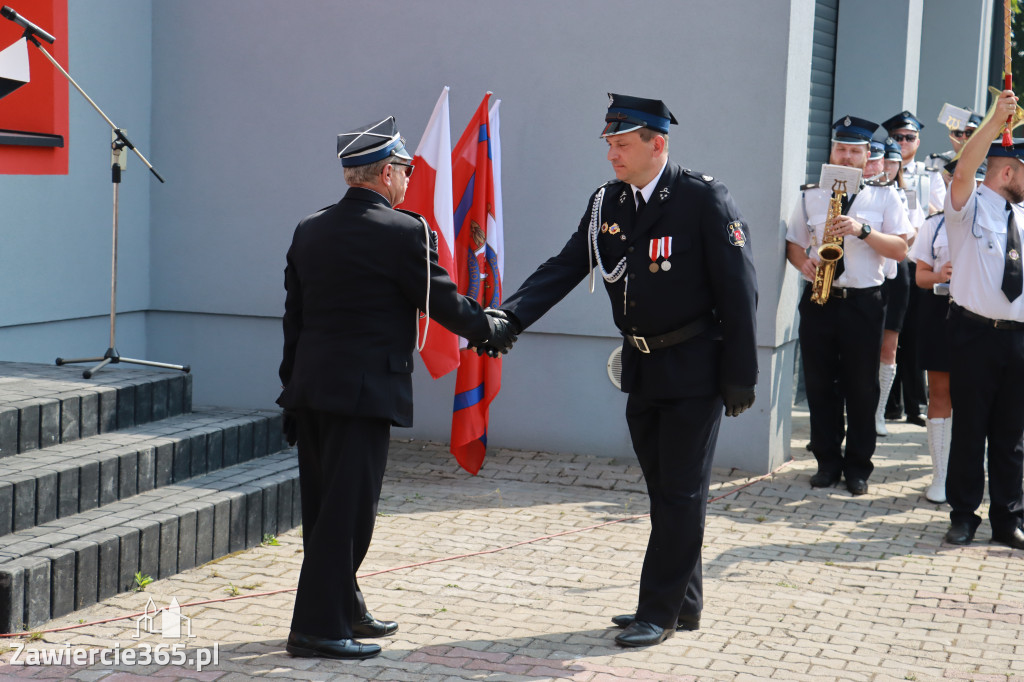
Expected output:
{"points": [[735, 230]]}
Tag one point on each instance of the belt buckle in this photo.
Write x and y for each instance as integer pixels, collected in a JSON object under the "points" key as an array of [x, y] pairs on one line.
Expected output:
{"points": [[641, 344]]}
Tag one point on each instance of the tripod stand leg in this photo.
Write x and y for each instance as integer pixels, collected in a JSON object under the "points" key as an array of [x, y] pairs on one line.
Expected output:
{"points": [[164, 365], [89, 372], [70, 361]]}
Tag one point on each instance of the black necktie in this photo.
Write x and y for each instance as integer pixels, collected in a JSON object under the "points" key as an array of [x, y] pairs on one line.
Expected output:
{"points": [[640, 203], [1013, 275]]}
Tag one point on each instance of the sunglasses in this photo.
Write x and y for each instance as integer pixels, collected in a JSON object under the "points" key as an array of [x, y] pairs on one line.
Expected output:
{"points": [[905, 138], [961, 134], [408, 166]]}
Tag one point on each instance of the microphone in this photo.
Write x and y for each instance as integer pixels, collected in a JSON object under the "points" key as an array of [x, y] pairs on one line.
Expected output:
{"points": [[29, 27]]}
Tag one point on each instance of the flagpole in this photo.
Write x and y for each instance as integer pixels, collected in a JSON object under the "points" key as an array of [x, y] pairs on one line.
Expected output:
{"points": [[1007, 66]]}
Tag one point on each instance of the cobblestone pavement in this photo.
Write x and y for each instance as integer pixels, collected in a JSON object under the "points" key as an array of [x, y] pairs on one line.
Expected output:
{"points": [[800, 584]]}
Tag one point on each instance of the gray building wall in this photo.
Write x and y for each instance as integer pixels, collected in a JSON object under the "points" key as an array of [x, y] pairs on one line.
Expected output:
{"points": [[247, 104], [237, 103]]}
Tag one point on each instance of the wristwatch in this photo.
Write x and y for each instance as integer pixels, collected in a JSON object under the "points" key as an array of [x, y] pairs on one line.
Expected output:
{"points": [[865, 230]]}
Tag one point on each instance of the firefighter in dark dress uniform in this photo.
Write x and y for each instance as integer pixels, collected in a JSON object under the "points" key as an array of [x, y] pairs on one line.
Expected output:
{"points": [[675, 256], [986, 333], [357, 275]]}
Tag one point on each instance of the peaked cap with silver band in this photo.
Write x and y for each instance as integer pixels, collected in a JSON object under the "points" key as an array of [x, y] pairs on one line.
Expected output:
{"points": [[853, 130], [372, 142], [626, 114], [904, 119]]}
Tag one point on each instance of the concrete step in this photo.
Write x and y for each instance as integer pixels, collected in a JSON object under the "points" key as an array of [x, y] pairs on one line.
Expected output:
{"points": [[68, 563], [69, 478], [44, 405]]}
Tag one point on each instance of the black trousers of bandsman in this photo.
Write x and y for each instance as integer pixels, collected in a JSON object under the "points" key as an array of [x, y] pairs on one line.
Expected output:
{"points": [[986, 384], [840, 343]]}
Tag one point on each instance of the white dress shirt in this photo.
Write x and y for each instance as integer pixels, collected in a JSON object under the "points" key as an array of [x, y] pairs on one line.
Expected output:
{"points": [[932, 244], [977, 244], [879, 207]]}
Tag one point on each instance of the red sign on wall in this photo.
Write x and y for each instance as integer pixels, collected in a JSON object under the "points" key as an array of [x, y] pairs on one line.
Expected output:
{"points": [[34, 116]]}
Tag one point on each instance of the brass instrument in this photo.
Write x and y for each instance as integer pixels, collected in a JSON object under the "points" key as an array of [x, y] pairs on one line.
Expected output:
{"points": [[831, 249]]}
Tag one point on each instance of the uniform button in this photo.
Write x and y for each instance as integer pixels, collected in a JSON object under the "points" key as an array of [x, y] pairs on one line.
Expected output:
{"points": [[630, 250], [632, 275], [632, 304], [633, 328]]}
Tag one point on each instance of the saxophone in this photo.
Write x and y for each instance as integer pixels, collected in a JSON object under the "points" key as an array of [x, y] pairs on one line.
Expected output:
{"points": [[831, 249]]}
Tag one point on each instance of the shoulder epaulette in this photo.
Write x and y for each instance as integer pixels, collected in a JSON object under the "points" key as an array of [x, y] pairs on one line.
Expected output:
{"points": [[934, 169], [932, 215], [809, 185], [415, 215], [703, 176]]}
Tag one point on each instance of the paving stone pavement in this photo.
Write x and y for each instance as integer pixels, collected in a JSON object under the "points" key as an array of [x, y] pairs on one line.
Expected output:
{"points": [[800, 584]]}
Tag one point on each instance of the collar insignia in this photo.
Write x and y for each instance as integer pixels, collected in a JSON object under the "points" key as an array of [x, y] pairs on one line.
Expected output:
{"points": [[663, 194]]}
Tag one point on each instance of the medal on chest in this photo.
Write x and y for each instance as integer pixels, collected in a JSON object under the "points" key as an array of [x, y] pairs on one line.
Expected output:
{"points": [[660, 248]]}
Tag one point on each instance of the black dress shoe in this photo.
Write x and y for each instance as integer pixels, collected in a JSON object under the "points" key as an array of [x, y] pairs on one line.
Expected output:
{"points": [[893, 415], [307, 646], [1014, 539], [642, 633], [683, 622], [856, 486], [371, 627], [916, 419], [959, 534], [824, 479]]}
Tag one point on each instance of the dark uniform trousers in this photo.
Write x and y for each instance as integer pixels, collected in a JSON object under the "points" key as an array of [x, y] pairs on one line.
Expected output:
{"points": [[674, 442], [986, 384], [842, 341], [341, 470]]}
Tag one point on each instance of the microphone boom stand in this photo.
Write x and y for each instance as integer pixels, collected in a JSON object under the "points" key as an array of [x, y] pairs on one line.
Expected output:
{"points": [[118, 163]]}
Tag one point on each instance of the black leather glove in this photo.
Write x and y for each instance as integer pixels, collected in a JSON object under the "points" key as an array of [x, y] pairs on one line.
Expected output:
{"points": [[736, 398], [500, 337]]}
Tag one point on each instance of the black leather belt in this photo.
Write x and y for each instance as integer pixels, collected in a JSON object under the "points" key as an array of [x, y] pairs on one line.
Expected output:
{"points": [[645, 344], [986, 321], [844, 292]]}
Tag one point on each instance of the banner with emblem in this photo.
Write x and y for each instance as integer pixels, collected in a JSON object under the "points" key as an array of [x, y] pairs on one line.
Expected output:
{"points": [[430, 195], [479, 260]]}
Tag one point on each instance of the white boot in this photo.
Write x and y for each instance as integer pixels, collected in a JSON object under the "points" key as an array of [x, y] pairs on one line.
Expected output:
{"points": [[939, 432], [886, 374]]}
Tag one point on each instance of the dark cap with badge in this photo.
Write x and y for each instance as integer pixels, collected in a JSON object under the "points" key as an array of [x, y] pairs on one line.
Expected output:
{"points": [[626, 114], [904, 119], [372, 142], [853, 130], [1014, 151], [974, 121], [893, 152], [877, 151]]}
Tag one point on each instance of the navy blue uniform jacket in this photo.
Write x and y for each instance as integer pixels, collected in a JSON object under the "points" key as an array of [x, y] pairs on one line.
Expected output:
{"points": [[356, 275], [712, 273]]}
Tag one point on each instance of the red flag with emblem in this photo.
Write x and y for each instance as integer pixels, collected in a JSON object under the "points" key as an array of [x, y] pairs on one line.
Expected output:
{"points": [[478, 266]]}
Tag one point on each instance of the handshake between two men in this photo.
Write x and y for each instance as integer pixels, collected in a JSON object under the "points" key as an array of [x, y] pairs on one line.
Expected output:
{"points": [[503, 333]]}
